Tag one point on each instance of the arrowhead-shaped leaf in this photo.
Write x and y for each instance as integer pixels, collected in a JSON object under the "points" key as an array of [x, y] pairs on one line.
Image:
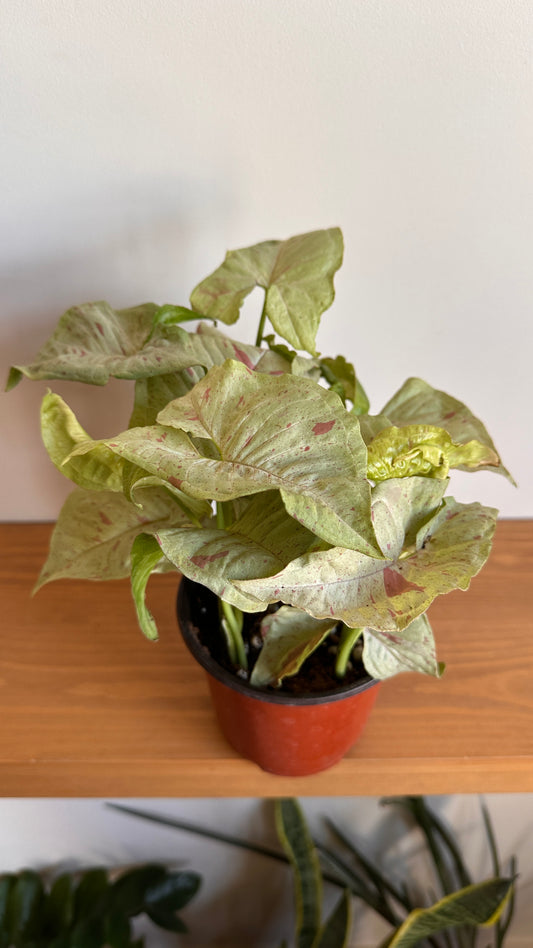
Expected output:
{"points": [[417, 403], [263, 540], [286, 433], [94, 533], [297, 275], [413, 649], [426, 450], [290, 635], [93, 342], [387, 594]]}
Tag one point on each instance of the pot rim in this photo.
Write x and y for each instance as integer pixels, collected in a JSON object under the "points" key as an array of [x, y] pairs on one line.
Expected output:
{"points": [[212, 667]]}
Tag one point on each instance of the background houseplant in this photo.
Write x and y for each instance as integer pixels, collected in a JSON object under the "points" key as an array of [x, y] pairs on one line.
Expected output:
{"points": [[442, 908], [244, 473], [92, 908]]}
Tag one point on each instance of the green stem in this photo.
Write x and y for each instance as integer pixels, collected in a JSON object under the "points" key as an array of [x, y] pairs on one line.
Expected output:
{"points": [[348, 639], [261, 327], [231, 618]]}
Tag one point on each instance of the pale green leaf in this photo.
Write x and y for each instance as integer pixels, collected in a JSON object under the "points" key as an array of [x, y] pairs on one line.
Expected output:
{"points": [[61, 433], [282, 432], [479, 904], [417, 403], [371, 425], [260, 542], [403, 511], [297, 275], [94, 533], [412, 650], [95, 467], [145, 558], [294, 836], [290, 636], [340, 375], [424, 450], [152, 394], [93, 342], [386, 594]]}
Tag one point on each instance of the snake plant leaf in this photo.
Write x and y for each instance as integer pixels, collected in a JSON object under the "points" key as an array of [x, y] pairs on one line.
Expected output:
{"points": [[336, 931], [290, 636], [297, 275], [61, 433], [295, 838], [260, 542], [94, 533], [413, 649], [418, 403], [479, 904], [426, 450], [386, 595], [273, 432]]}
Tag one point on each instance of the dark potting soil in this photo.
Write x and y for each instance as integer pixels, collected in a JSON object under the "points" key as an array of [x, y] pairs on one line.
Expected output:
{"points": [[317, 673]]}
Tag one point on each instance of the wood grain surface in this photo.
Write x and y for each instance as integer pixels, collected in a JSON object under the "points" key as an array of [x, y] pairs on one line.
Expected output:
{"points": [[90, 708]]}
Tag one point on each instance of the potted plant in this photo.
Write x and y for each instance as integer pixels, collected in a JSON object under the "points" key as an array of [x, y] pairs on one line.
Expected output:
{"points": [[320, 533]]}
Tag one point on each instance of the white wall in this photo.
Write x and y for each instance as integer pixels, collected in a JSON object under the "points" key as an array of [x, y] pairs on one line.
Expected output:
{"points": [[140, 141]]}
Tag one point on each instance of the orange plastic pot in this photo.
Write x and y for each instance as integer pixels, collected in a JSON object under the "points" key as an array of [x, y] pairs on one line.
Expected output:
{"points": [[283, 734]]}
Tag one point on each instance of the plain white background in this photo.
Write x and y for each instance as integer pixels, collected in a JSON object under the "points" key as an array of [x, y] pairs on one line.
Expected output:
{"points": [[141, 141]]}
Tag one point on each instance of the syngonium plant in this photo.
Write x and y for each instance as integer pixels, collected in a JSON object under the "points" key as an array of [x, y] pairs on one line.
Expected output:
{"points": [[258, 471]]}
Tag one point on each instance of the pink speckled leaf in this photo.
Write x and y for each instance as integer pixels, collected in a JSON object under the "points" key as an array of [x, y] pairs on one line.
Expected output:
{"points": [[290, 636], [273, 432], [412, 650], [94, 533], [261, 542], [297, 275], [387, 594], [417, 403], [93, 342]]}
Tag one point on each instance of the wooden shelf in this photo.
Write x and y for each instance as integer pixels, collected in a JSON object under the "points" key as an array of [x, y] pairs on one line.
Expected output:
{"points": [[89, 708]]}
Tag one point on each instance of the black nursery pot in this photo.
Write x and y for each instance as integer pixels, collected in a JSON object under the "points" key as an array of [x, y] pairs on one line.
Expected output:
{"points": [[282, 733]]}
